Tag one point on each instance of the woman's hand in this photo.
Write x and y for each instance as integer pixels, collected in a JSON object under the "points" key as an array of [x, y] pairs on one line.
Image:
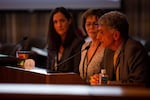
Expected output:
{"points": [[29, 64]]}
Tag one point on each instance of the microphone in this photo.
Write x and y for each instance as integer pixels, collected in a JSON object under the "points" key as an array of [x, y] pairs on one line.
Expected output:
{"points": [[22, 40], [18, 45], [66, 60], [86, 48]]}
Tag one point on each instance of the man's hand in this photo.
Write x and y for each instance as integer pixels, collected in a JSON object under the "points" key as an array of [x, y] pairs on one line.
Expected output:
{"points": [[94, 80]]}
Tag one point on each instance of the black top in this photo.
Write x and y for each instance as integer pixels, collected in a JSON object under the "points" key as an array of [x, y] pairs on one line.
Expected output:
{"points": [[71, 65]]}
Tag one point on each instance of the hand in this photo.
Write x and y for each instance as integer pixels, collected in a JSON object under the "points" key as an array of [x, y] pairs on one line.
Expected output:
{"points": [[94, 80], [29, 64]]}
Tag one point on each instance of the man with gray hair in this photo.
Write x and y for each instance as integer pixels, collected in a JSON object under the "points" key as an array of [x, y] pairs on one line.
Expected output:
{"points": [[125, 59]]}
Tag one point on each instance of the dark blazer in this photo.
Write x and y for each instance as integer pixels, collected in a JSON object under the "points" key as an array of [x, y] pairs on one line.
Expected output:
{"points": [[132, 61], [71, 65]]}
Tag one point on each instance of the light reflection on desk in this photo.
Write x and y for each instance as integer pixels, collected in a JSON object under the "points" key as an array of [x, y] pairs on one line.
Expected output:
{"points": [[36, 69], [75, 91], [59, 89]]}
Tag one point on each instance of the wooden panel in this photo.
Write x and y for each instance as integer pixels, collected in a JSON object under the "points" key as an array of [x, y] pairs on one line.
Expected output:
{"points": [[10, 74], [13, 75]]}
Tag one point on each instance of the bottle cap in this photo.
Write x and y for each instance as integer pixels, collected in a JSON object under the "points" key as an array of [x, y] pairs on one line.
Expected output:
{"points": [[103, 71]]}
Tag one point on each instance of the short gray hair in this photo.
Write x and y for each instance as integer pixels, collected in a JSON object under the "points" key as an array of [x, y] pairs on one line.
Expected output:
{"points": [[116, 20]]}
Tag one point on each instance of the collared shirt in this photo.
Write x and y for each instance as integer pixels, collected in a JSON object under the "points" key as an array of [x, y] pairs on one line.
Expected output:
{"points": [[116, 55]]}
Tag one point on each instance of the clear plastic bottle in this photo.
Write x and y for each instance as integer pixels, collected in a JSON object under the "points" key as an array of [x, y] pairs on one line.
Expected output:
{"points": [[103, 77]]}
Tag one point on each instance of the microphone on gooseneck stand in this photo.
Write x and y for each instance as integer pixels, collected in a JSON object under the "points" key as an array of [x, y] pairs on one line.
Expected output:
{"points": [[18, 45], [66, 60], [54, 66], [11, 59]]}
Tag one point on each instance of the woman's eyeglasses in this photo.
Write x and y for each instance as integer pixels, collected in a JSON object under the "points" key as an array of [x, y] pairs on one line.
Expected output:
{"points": [[92, 24]]}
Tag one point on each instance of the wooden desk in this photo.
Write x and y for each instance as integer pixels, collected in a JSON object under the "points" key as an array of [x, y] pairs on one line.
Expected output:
{"points": [[10, 74]]}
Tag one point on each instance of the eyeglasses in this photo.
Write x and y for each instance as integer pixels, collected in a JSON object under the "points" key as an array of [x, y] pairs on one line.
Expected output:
{"points": [[91, 24]]}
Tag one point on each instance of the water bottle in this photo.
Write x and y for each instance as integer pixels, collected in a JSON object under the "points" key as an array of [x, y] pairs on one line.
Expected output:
{"points": [[103, 77]]}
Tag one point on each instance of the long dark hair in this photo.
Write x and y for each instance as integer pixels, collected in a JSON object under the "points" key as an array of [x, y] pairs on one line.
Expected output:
{"points": [[54, 40]]}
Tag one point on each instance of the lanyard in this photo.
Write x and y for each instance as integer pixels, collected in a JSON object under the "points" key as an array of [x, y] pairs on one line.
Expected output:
{"points": [[87, 64]]}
